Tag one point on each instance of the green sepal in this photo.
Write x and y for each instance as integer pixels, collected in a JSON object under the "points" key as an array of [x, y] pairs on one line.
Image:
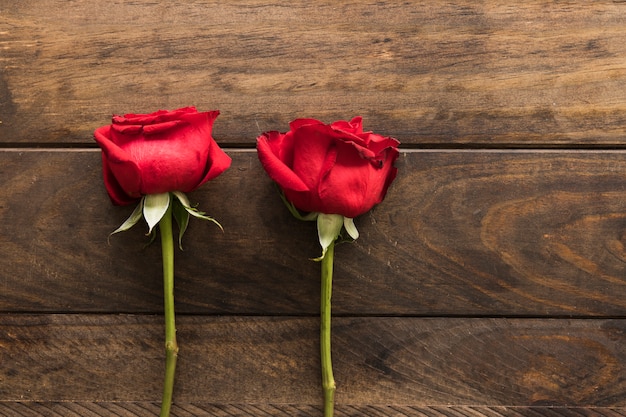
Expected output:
{"points": [[182, 220], [348, 224], [328, 229], [295, 212], [132, 220], [152, 235], [154, 208], [192, 210]]}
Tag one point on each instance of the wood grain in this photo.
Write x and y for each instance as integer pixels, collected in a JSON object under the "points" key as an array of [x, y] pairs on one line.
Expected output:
{"points": [[533, 74], [474, 233], [489, 283], [272, 361], [145, 409]]}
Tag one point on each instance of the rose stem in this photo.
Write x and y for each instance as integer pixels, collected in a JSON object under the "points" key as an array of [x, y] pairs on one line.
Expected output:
{"points": [[171, 347], [328, 381]]}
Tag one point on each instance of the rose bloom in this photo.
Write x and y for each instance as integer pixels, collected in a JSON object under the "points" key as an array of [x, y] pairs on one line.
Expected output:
{"points": [[331, 169], [159, 152]]}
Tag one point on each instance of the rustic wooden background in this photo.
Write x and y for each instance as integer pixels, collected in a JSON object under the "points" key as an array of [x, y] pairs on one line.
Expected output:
{"points": [[490, 282]]}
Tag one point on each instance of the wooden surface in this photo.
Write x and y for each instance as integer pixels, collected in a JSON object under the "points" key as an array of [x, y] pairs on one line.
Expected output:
{"points": [[475, 233], [378, 361], [488, 72], [490, 282]]}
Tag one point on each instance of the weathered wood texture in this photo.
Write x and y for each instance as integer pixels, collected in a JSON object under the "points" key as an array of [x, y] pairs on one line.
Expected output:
{"points": [[488, 72], [143, 409], [270, 360], [488, 283], [460, 233]]}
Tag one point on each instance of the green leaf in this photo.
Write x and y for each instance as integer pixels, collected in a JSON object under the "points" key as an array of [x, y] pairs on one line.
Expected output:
{"points": [[154, 207], [182, 219], [132, 220], [328, 228], [348, 223]]}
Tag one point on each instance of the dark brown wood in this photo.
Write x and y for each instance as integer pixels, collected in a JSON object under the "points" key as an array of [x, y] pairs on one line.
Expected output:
{"points": [[460, 233], [379, 362], [146, 409], [488, 283], [489, 72]]}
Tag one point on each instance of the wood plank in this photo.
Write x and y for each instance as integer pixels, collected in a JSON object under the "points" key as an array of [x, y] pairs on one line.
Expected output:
{"points": [[478, 233], [144, 409], [489, 72], [386, 362]]}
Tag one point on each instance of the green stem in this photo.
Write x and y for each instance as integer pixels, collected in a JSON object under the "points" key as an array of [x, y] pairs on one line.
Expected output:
{"points": [[328, 381], [171, 347]]}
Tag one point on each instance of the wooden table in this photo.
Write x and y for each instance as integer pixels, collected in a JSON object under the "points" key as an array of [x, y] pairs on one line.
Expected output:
{"points": [[490, 282]]}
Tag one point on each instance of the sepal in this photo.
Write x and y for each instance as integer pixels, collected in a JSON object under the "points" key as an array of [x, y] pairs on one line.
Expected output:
{"points": [[295, 212], [348, 224], [132, 220], [182, 220], [182, 198], [328, 229], [154, 208], [152, 237]]}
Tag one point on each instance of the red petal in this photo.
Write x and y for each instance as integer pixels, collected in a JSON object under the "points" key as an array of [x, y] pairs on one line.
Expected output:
{"points": [[116, 193], [268, 149], [355, 185], [120, 172], [161, 127], [354, 126], [311, 146], [298, 123], [180, 161], [218, 162]]}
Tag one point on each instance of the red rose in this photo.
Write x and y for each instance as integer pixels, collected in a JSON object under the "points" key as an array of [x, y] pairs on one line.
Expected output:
{"points": [[159, 152], [331, 169]]}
